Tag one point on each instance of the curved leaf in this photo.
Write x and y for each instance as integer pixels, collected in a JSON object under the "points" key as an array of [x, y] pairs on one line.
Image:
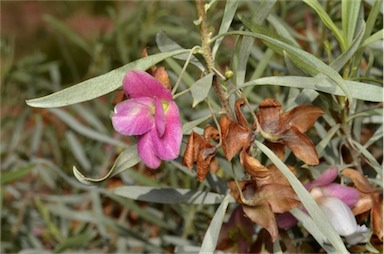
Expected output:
{"points": [[187, 127], [315, 5], [229, 13], [166, 44], [302, 59], [358, 90], [100, 85], [128, 158], [213, 231], [168, 195]]}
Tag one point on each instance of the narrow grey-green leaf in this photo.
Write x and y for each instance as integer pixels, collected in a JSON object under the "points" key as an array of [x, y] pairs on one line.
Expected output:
{"points": [[229, 13], [341, 60], [75, 241], [84, 130], [282, 29], [370, 158], [200, 89], [303, 59], [358, 90], [187, 127], [373, 38], [127, 159], [67, 32], [168, 195], [213, 231], [100, 85], [315, 5], [349, 13], [308, 202], [312, 228], [166, 44], [325, 140]]}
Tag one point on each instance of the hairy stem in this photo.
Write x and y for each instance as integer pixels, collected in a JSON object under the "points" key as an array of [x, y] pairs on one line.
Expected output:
{"points": [[208, 57]]}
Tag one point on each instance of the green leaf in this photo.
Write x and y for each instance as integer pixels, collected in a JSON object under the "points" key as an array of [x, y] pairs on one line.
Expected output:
{"points": [[13, 175], [308, 202], [84, 130], [166, 44], [303, 59], [213, 231], [98, 86], [75, 241], [282, 29], [370, 158], [200, 89], [325, 140], [67, 33], [350, 13], [358, 90], [373, 38], [187, 127], [315, 5], [341, 60], [127, 159], [168, 195], [312, 228], [229, 13]]}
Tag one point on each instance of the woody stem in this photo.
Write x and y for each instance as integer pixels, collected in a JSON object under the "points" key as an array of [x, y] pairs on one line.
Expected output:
{"points": [[208, 57]]}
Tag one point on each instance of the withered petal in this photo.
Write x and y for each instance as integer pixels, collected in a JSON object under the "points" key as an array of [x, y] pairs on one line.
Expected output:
{"points": [[235, 191], [302, 117], [252, 165], [377, 215], [192, 150], [301, 146], [277, 148], [269, 115], [211, 132], [364, 204], [360, 181], [264, 217], [239, 114], [281, 198], [203, 166], [234, 137], [162, 76]]}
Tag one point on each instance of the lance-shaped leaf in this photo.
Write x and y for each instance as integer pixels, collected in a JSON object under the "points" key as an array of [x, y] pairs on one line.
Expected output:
{"points": [[200, 89], [100, 85], [168, 195], [127, 159]]}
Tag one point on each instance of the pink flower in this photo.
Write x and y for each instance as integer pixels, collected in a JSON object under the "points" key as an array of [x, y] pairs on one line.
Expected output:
{"points": [[150, 114], [335, 201]]}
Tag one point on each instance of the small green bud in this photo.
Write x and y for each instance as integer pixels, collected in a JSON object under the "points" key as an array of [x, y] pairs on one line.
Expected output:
{"points": [[228, 74]]}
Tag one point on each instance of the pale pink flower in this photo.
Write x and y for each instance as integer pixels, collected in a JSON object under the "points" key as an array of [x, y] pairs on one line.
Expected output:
{"points": [[150, 114], [335, 201]]}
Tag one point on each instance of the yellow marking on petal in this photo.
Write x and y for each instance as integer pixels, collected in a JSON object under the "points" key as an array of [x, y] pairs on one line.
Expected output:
{"points": [[165, 105]]}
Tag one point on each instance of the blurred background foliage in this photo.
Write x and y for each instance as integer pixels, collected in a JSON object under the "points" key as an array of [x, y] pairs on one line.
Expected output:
{"points": [[47, 46]]}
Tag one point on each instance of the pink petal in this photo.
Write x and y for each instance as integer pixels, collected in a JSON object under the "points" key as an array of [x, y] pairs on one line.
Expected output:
{"points": [[160, 120], [140, 84], [133, 116], [145, 148], [286, 220], [348, 195], [168, 146], [327, 177]]}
